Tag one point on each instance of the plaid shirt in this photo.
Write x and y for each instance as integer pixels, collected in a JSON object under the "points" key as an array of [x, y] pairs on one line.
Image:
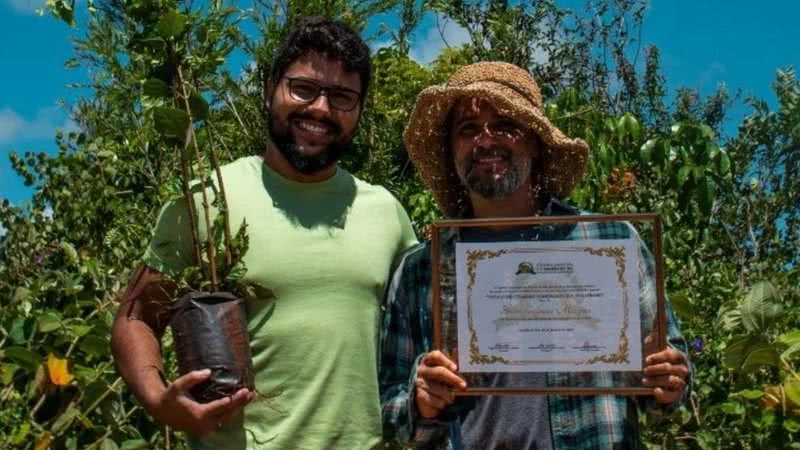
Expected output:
{"points": [[576, 422]]}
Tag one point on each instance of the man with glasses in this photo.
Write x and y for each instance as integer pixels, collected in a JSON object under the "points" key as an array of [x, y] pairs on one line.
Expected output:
{"points": [[321, 241]]}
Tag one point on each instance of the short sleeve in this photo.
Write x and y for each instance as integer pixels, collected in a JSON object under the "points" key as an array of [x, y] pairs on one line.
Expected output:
{"points": [[170, 249]]}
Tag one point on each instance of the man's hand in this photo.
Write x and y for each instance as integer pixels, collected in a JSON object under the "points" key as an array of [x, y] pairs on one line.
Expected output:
{"points": [[436, 379], [176, 408], [667, 371]]}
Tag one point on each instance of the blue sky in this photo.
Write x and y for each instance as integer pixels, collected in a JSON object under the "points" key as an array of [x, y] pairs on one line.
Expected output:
{"points": [[702, 42]]}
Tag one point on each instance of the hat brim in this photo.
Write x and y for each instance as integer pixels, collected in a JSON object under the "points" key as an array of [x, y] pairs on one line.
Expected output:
{"points": [[560, 165]]}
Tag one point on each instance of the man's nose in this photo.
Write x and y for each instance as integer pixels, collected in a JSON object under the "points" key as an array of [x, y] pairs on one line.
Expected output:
{"points": [[320, 104], [485, 137]]}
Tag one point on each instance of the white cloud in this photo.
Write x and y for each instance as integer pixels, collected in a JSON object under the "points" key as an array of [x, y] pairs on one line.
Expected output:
{"points": [[440, 34], [14, 127], [25, 6]]}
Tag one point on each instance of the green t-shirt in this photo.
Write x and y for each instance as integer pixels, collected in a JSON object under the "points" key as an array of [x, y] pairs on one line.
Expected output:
{"points": [[324, 250]]}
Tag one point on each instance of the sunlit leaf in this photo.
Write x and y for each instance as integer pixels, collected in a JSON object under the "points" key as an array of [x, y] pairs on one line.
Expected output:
{"points": [[760, 306], [49, 321]]}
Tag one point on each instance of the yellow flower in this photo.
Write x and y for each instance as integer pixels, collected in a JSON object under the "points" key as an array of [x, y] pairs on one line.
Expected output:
{"points": [[57, 368]]}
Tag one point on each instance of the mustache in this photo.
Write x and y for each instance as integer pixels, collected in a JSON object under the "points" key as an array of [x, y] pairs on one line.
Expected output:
{"points": [[324, 120], [483, 152]]}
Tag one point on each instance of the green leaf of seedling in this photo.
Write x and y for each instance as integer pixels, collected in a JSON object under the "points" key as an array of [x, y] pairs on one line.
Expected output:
{"points": [[156, 88], [199, 106], [171, 25], [171, 122]]}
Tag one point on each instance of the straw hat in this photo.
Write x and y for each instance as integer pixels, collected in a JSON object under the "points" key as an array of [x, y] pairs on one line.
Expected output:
{"points": [[512, 91]]}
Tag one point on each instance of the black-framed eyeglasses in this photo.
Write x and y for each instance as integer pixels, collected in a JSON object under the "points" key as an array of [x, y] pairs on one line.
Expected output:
{"points": [[307, 91]]}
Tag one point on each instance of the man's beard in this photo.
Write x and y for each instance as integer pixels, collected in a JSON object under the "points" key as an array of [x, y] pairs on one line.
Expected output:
{"points": [[489, 185], [308, 165]]}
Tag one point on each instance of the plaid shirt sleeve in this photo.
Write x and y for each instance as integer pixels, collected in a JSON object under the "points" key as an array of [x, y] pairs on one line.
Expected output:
{"points": [[403, 341], [674, 337]]}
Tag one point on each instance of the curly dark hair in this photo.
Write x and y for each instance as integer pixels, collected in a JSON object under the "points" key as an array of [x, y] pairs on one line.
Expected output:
{"points": [[329, 37]]}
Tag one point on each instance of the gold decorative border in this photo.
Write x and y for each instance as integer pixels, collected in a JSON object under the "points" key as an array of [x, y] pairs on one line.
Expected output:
{"points": [[622, 355]]}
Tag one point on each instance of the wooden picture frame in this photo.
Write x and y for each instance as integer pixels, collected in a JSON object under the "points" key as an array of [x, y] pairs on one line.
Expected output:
{"points": [[659, 322]]}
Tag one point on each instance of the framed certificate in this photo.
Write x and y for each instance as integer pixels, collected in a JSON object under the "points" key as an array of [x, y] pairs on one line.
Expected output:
{"points": [[549, 305]]}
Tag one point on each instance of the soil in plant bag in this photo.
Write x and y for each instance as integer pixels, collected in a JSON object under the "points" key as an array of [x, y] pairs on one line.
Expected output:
{"points": [[210, 332]]}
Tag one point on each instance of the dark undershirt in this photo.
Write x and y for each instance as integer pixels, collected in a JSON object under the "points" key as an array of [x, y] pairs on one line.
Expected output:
{"points": [[505, 422]]}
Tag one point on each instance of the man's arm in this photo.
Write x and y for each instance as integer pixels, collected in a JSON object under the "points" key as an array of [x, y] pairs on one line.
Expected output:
{"points": [[668, 371], [402, 346], [136, 345]]}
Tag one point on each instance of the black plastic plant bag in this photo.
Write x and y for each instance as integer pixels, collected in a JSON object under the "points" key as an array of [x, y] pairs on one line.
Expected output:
{"points": [[210, 332]]}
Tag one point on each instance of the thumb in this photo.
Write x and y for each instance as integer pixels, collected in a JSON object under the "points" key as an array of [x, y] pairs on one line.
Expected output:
{"points": [[191, 379]]}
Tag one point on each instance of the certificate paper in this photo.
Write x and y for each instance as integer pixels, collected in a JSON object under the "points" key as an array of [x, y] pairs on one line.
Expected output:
{"points": [[557, 306]]}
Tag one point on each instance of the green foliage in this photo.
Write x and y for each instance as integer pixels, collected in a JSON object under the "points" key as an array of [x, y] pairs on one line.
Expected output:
{"points": [[731, 208]]}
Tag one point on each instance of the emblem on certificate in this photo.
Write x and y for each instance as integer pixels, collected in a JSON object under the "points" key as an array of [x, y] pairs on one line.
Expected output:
{"points": [[567, 305]]}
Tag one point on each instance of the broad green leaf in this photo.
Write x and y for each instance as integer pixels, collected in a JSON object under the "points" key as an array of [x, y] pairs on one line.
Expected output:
{"points": [[108, 444], [79, 329], [70, 252], [646, 151], [790, 338], [723, 163], [792, 390], [683, 175], [7, 372], [629, 125], [21, 294], [64, 420], [25, 358], [705, 193], [94, 345], [19, 331], [199, 106], [760, 306], [733, 408], [134, 444], [682, 305], [171, 123], [49, 321], [751, 394], [156, 88], [749, 353], [171, 25]]}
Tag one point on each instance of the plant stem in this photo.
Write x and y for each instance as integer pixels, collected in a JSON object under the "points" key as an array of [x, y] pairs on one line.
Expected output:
{"points": [[211, 250], [189, 199], [225, 214]]}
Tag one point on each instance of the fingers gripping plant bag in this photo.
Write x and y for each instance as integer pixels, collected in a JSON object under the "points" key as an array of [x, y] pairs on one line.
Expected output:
{"points": [[210, 332]]}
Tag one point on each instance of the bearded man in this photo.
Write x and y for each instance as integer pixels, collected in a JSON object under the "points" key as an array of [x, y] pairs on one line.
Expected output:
{"points": [[320, 240], [483, 146]]}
